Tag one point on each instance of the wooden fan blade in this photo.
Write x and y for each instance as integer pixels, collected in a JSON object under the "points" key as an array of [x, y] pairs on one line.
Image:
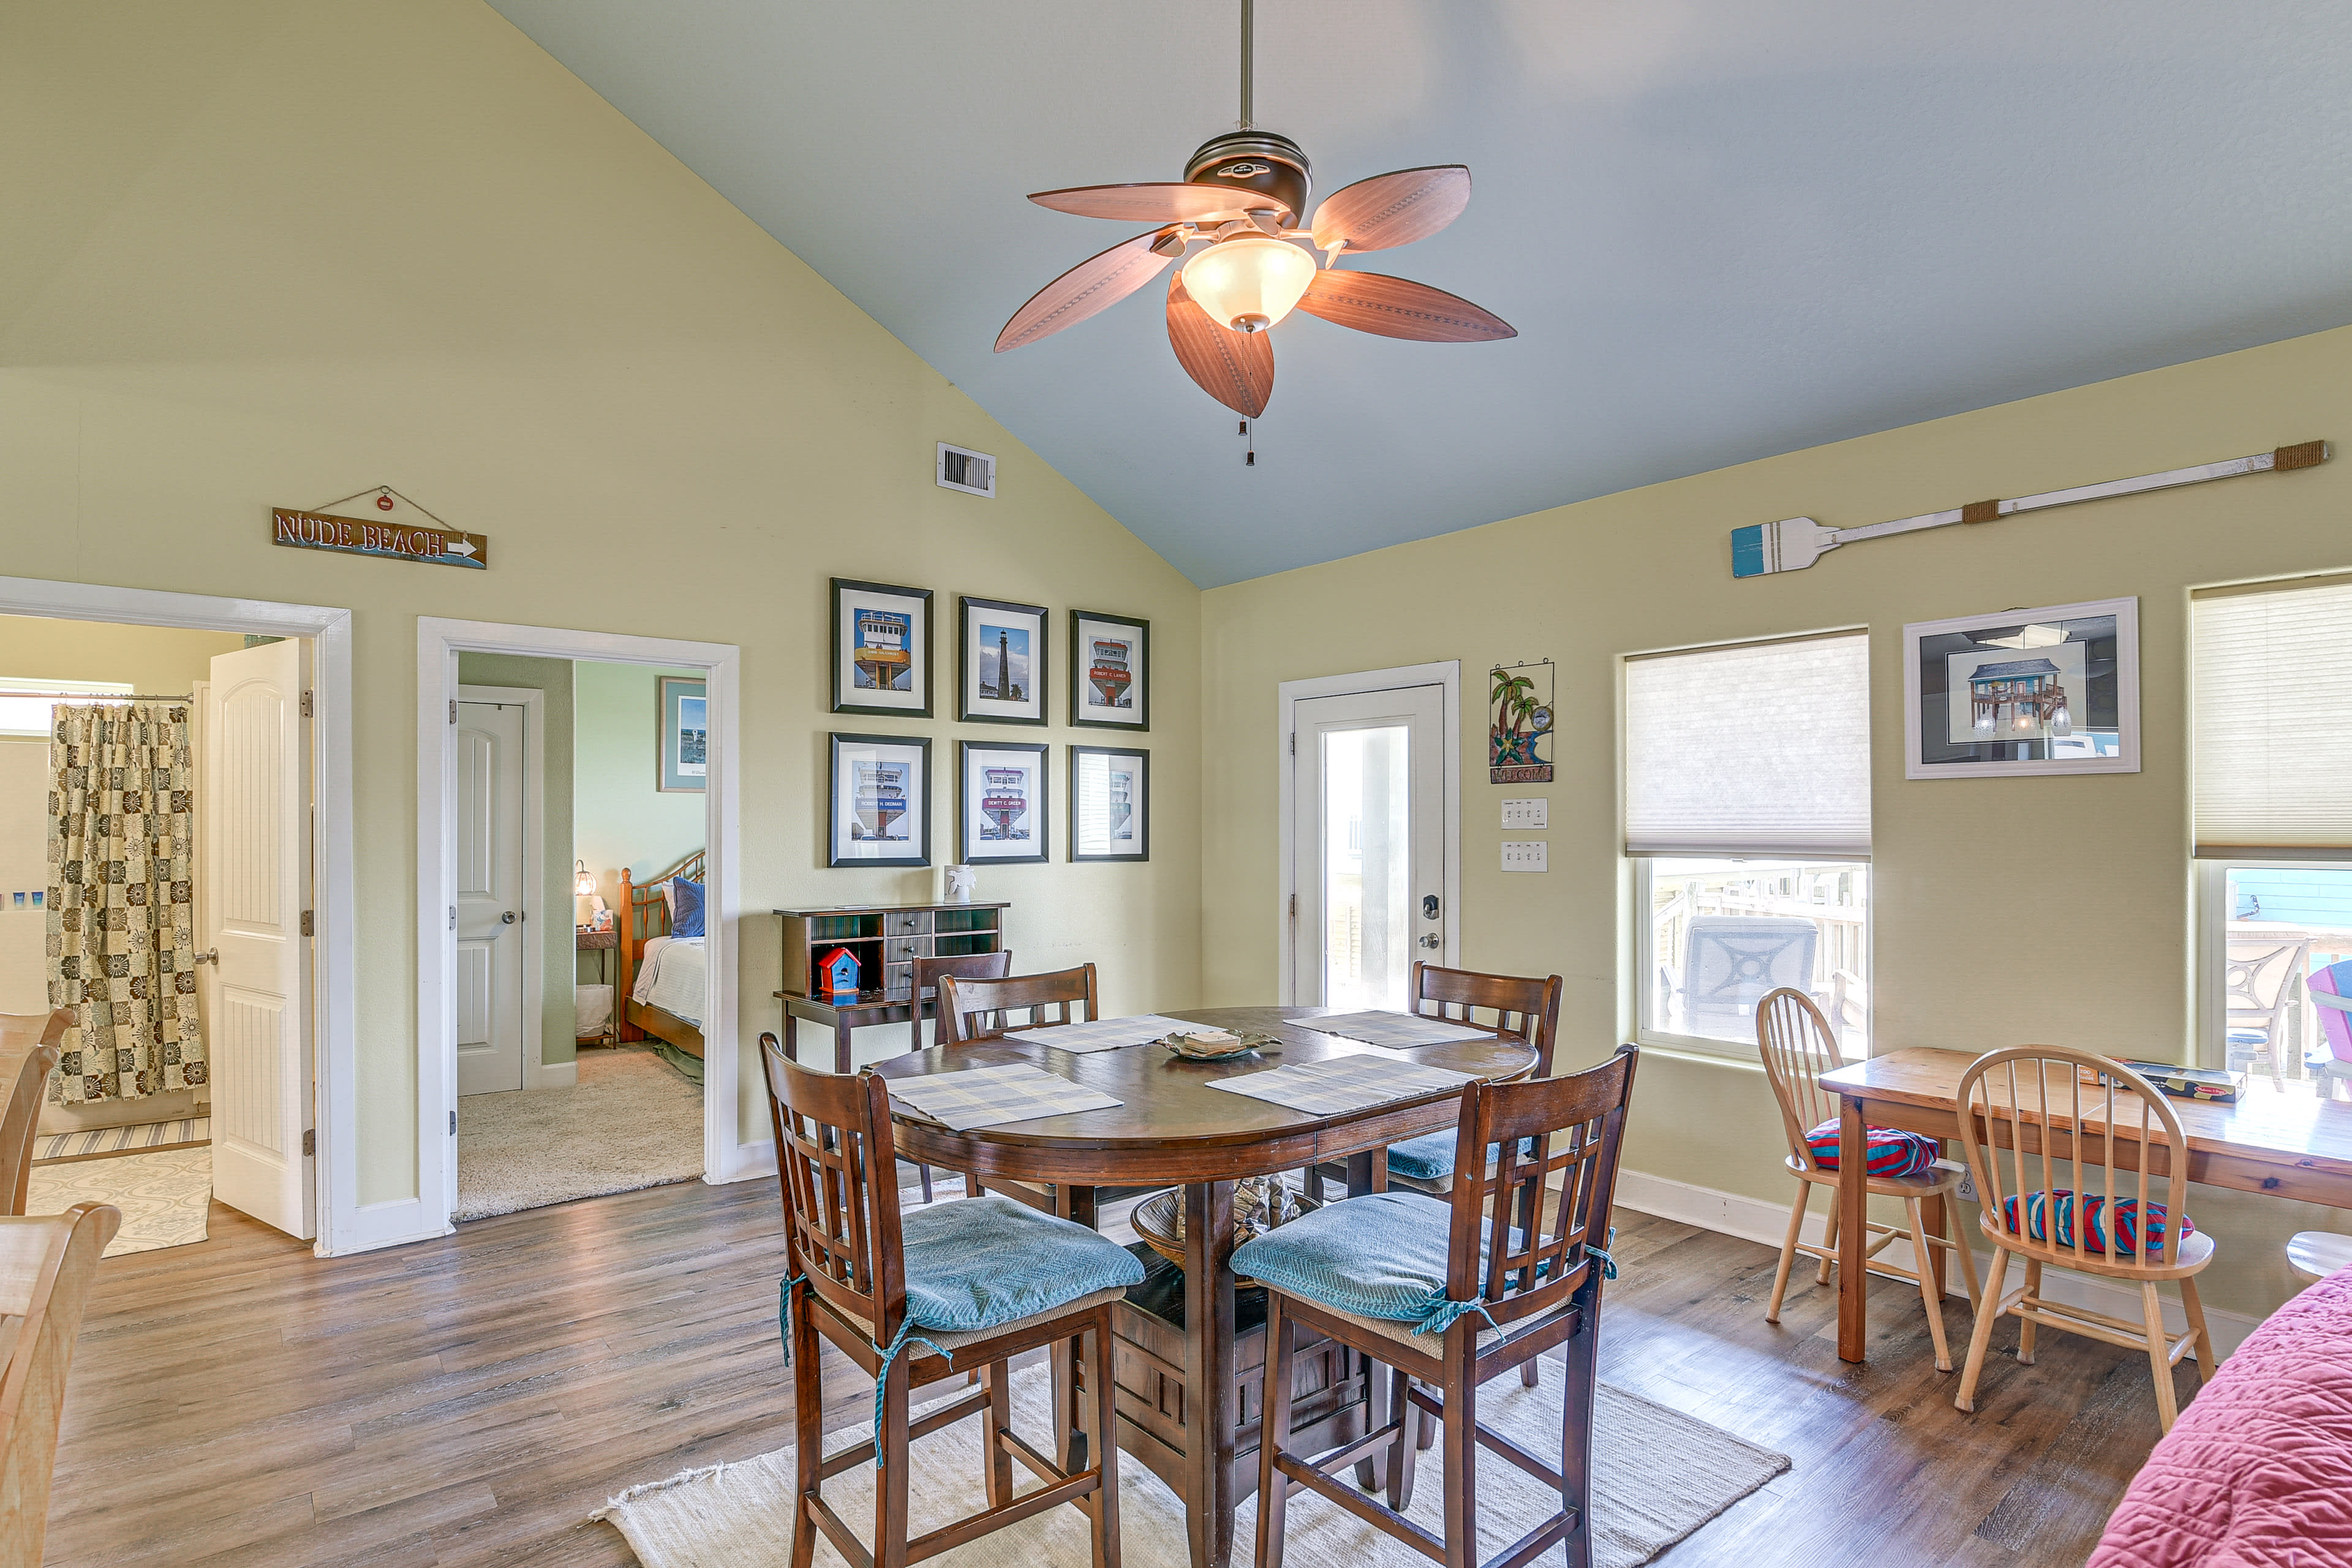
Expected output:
{"points": [[1166, 202], [1235, 368], [1390, 210], [1395, 308], [1092, 284]]}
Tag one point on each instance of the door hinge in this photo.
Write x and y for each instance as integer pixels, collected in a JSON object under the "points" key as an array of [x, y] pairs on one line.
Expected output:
{"points": [[453, 1124], [453, 917], [310, 1141], [452, 710], [1293, 742], [1294, 906], [306, 922], [306, 705]]}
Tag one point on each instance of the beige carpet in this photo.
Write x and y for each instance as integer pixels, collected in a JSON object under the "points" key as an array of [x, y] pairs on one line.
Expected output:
{"points": [[166, 1198], [632, 1120], [1659, 1476]]}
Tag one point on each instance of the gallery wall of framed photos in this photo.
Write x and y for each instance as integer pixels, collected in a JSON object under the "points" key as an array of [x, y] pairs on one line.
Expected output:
{"points": [[880, 788]]}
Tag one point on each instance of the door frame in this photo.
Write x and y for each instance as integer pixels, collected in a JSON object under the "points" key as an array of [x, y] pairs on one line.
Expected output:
{"points": [[344, 1224], [536, 1074], [725, 1157], [1287, 696]]}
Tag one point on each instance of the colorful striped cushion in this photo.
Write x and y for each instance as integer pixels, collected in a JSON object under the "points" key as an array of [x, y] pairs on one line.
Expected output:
{"points": [[1893, 1153], [2126, 1219]]}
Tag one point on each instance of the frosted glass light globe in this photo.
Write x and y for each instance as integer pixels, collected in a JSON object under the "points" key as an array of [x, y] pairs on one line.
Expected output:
{"points": [[1249, 282]]}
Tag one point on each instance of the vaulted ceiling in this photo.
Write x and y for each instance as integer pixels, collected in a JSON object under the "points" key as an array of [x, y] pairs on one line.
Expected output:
{"points": [[1723, 230]]}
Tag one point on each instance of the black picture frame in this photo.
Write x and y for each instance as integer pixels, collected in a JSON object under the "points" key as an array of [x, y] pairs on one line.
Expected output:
{"points": [[974, 703], [1085, 809], [849, 596], [973, 792], [1087, 708], [842, 819]]}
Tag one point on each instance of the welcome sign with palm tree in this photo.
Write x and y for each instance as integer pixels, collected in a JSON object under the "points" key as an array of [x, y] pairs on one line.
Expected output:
{"points": [[1518, 705]]}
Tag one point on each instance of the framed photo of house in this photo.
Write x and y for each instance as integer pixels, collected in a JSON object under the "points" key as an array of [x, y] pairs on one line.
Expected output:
{"points": [[1110, 803], [1002, 667], [2049, 691], [685, 730], [881, 649], [1004, 812], [880, 807], [1110, 670]]}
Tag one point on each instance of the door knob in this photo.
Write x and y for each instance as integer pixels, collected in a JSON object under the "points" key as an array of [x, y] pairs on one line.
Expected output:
{"points": [[507, 919], [209, 956], [1429, 941]]}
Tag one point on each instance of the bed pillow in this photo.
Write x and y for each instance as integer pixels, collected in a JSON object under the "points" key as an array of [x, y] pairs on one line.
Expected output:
{"points": [[1891, 1151], [685, 906]]}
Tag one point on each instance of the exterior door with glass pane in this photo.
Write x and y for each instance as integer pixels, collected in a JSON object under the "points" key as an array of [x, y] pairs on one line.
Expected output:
{"points": [[1367, 842]]}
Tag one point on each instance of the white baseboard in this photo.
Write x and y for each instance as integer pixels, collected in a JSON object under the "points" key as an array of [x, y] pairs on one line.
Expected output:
{"points": [[1753, 1220], [747, 1162]]}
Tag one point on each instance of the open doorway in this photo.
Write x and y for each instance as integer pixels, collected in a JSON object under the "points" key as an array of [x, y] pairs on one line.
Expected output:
{"points": [[157, 883], [579, 958], [578, 841]]}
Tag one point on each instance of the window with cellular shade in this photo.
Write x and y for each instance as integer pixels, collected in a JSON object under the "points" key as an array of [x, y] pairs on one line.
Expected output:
{"points": [[2270, 718], [1757, 749]]}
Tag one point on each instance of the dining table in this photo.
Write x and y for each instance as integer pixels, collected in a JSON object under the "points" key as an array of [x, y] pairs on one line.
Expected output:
{"points": [[2280, 1138], [1190, 1355]]}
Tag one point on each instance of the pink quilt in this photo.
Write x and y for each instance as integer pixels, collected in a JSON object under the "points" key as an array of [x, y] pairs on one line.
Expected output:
{"points": [[2257, 1473]]}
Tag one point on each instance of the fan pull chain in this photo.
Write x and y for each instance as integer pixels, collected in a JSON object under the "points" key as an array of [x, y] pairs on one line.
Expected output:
{"points": [[1249, 454]]}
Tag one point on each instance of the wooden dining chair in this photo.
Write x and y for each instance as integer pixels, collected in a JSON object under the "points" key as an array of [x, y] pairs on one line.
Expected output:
{"points": [[2079, 1204], [47, 1265], [38, 1036], [1799, 1046], [927, 972], [970, 1008], [851, 1262], [1520, 1291], [1523, 1008]]}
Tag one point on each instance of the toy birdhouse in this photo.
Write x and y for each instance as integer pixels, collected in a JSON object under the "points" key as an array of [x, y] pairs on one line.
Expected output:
{"points": [[836, 976]]}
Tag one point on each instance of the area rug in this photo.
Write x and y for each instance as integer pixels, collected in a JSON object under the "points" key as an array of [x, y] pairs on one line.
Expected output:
{"points": [[1659, 1474], [165, 1199], [631, 1122], [140, 1138]]}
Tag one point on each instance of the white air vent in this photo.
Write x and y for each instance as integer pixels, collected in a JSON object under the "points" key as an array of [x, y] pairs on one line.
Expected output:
{"points": [[974, 473]]}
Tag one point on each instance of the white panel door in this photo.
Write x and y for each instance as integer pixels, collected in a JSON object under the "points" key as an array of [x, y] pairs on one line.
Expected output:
{"points": [[490, 903], [1368, 832], [255, 806]]}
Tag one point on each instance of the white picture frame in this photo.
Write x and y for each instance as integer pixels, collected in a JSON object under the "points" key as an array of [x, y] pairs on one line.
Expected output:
{"points": [[2082, 697]]}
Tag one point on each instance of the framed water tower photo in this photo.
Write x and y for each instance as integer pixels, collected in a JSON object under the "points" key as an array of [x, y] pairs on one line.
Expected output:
{"points": [[1004, 815], [1110, 670], [881, 649], [880, 810]]}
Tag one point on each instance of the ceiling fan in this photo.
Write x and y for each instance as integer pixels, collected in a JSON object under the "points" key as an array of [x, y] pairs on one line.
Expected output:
{"points": [[1244, 203]]}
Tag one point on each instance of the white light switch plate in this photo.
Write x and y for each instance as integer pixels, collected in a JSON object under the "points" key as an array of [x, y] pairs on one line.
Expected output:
{"points": [[1525, 855], [1527, 814]]}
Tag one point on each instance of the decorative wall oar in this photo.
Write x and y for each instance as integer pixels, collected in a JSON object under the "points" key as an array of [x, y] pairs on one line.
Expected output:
{"points": [[1794, 544]]}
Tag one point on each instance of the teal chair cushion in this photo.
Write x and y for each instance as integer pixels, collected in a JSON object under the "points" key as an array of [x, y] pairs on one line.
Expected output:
{"points": [[1430, 1157], [988, 1261], [1379, 1255]]}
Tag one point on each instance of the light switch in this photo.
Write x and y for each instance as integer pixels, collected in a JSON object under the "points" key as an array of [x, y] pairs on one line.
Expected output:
{"points": [[1527, 814], [1525, 855]]}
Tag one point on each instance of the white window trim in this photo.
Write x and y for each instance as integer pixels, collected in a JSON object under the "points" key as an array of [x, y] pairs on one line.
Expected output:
{"points": [[1645, 943]]}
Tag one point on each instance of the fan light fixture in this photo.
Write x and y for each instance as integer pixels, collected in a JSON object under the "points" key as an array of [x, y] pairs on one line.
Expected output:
{"points": [[1249, 282]]}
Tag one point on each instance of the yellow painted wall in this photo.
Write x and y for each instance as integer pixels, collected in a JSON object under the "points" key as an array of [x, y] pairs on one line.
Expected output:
{"points": [[263, 252], [2006, 910]]}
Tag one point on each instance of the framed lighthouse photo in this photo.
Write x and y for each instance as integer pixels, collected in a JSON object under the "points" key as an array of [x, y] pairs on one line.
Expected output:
{"points": [[1110, 670], [881, 649], [881, 808], [1002, 662], [1004, 812]]}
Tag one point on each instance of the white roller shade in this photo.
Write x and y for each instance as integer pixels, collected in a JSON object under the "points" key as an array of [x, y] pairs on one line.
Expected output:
{"points": [[1762, 749], [2271, 678]]}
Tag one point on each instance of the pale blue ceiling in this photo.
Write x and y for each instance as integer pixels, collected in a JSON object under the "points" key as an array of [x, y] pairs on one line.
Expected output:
{"points": [[1723, 229]]}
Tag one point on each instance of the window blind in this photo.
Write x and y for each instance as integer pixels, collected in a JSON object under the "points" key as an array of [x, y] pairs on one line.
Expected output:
{"points": [[2271, 715], [1760, 748]]}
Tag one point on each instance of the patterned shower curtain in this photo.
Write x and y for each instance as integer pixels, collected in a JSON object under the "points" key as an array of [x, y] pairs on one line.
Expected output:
{"points": [[121, 910]]}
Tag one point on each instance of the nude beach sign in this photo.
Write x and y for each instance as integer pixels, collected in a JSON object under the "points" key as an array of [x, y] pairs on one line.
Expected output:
{"points": [[394, 541]]}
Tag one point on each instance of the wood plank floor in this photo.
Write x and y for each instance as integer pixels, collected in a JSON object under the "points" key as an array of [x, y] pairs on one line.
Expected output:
{"points": [[470, 1401]]}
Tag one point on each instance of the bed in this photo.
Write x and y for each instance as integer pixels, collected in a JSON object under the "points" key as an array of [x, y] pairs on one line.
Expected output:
{"points": [[2257, 1473], [662, 983]]}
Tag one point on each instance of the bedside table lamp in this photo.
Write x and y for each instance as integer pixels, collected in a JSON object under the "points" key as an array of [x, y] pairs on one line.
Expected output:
{"points": [[587, 903]]}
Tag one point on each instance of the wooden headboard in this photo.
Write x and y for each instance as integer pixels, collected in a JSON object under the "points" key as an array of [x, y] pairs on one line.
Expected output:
{"points": [[644, 912]]}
